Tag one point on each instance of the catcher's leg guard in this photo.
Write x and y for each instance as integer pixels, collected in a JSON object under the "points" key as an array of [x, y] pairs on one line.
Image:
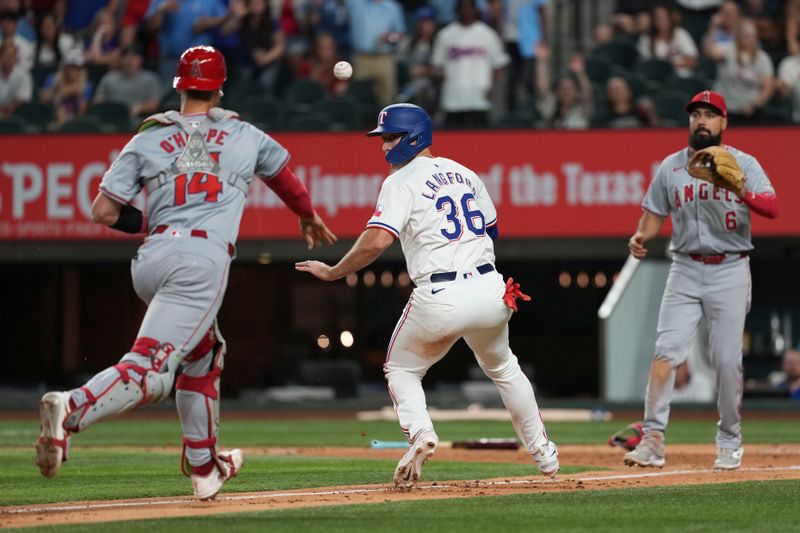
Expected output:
{"points": [[137, 379], [197, 391]]}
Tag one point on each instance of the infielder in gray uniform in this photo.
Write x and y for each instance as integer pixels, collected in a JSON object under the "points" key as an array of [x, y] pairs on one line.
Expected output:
{"points": [[709, 277], [196, 167]]}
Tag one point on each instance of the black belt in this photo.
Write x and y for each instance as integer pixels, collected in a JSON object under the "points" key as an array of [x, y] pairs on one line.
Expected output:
{"points": [[441, 277]]}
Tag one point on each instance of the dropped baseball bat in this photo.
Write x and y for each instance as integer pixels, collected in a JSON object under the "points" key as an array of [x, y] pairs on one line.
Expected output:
{"points": [[487, 444], [473, 444], [387, 444]]}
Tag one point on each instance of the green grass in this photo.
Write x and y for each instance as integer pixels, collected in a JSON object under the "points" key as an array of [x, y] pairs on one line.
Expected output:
{"points": [[770, 506], [342, 432], [105, 475], [96, 472]]}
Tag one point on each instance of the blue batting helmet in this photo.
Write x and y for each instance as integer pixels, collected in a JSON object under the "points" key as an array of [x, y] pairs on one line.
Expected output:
{"points": [[411, 120]]}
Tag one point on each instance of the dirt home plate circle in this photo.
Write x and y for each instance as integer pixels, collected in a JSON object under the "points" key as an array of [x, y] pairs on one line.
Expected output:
{"points": [[343, 70]]}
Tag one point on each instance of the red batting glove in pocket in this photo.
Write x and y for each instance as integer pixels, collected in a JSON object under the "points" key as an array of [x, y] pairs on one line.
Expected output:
{"points": [[512, 293]]}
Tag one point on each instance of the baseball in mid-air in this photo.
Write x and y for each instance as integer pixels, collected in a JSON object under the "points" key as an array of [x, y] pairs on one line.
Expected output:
{"points": [[343, 70]]}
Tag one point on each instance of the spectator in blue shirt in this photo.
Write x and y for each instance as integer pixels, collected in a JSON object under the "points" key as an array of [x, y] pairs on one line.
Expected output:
{"points": [[79, 14], [791, 368], [376, 27], [333, 18], [181, 24], [524, 33]]}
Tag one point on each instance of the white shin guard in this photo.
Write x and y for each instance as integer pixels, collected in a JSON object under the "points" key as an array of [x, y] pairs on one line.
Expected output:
{"points": [[134, 381], [197, 392]]}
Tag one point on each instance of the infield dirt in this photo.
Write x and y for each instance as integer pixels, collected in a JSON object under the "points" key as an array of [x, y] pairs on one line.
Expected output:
{"points": [[686, 465]]}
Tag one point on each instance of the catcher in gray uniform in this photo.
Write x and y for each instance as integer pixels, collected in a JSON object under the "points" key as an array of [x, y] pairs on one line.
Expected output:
{"points": [[710, 272], [196, 167]]}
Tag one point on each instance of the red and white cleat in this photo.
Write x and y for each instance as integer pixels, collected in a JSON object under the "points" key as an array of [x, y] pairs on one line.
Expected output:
{"points": [[206, 487], [53, 443]]}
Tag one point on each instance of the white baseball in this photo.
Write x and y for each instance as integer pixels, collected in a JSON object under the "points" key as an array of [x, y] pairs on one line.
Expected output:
{"points": [[343, 70]]}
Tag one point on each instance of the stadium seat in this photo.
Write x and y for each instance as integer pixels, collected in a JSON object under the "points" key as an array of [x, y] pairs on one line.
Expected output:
{"points": [[670, 106], [362, 91], [240, 90], [37, 117], [529, 110], [301, 95], [39, 74], [403, 74], [597, 69], [115, 115], [513, 121], [707, 69], [655, 69], [342, 112], [85, 124], [11, 125], [638, 84], [696, 24], [309, 122], [95, 73], [170, 100], [688, 87], [264, 110], [617, 52]]}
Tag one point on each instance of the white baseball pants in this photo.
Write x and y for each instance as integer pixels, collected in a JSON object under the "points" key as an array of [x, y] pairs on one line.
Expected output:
{"points": [[436, 316]]}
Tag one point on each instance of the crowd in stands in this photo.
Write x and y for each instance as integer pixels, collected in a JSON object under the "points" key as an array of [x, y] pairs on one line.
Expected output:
{"points": [[103, 65]]}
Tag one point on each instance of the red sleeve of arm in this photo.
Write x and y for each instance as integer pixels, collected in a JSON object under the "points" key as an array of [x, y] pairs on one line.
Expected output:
{"points": [[765, 204], [292, 191]]}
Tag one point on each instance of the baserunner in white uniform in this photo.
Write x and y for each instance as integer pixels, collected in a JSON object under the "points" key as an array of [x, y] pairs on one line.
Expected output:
{"points": [[446, 223], [709, 277], [196, 167]]}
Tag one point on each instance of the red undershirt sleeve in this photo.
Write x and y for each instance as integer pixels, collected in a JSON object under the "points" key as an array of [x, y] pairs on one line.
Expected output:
{"points": [[764, 204], [292, 191]]}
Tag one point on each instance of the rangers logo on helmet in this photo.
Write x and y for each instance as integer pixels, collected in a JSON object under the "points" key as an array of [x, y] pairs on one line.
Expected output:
{"points": [[411, 120]]}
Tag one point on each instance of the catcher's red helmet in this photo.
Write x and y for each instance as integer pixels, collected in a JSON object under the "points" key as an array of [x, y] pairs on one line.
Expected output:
{"points": [[201, 68]]}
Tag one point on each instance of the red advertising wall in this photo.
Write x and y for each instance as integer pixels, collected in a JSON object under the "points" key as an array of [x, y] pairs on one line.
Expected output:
{"points": [[545, 183]]}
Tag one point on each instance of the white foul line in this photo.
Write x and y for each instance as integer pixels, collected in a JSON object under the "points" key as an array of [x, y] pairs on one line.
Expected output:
{"points": [[268, 495]]}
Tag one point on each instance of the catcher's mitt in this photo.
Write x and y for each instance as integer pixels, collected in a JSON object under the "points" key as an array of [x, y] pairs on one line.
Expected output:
{"points": [[718, 166], [627, 437]]}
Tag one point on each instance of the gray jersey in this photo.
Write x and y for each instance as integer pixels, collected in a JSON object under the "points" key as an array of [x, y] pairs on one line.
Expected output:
{"points": [[705, 219], [196, 170]]}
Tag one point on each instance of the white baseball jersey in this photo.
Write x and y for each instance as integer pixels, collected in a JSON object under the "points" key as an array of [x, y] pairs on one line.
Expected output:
{"points": [[705, 219], [440, 210]]}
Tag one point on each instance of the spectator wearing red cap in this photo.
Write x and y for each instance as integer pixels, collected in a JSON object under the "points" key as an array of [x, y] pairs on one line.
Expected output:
{"points": [[745, 75]]}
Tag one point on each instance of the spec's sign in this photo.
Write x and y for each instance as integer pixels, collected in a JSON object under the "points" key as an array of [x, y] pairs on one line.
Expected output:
{"points": [[545, 183]]}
